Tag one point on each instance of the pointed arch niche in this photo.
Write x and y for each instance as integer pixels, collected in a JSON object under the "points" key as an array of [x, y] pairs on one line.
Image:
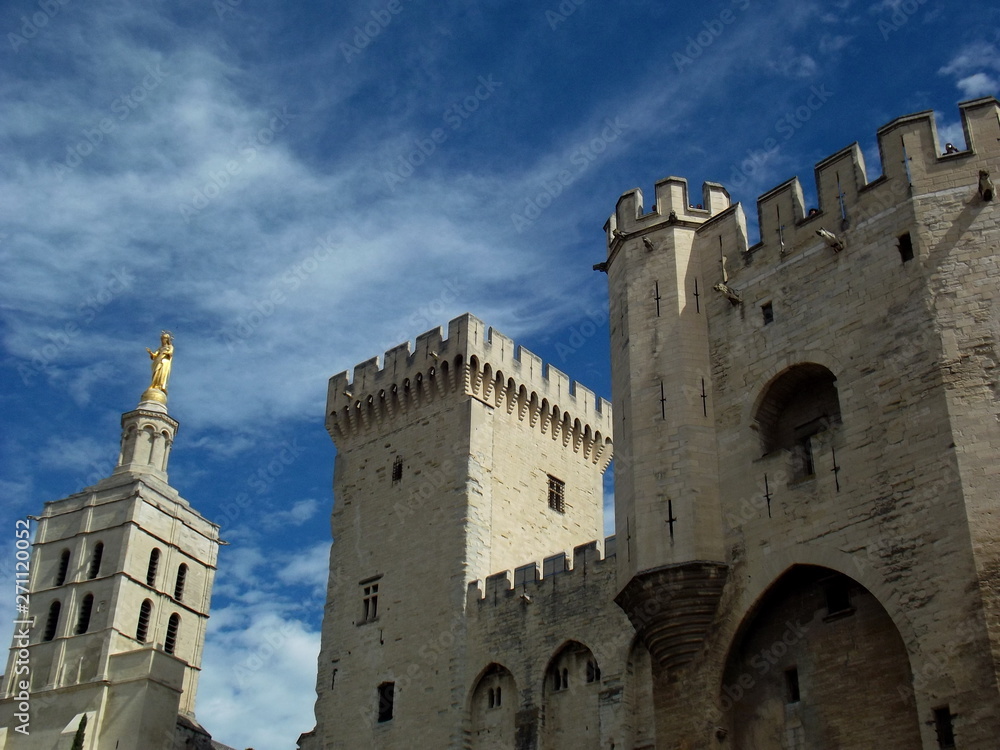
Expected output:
{"points": [[570, 700], [794, 408], [493, 708], [814, 664]]}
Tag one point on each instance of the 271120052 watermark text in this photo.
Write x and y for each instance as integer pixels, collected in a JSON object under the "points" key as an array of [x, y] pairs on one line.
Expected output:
{"points": [[21, 666]]}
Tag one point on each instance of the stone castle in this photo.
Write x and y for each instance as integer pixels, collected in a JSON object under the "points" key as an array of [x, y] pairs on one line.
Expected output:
{"points": [[806, 554]]}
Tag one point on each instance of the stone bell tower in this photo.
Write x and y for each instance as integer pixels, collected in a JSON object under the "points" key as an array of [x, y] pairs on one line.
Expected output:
{"points": [[117, 604]]}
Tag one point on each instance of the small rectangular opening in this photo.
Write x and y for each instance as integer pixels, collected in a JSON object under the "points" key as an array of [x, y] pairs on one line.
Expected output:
{"points": [[803, 465], [397, 469], [386, 696], [767, 310], [792, 685], [943, 727], [838, 597], [905, 245]]}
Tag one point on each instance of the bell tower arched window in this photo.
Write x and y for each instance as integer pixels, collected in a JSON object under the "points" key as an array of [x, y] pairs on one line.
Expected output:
{"points": [[63, 568], [173, 625], [154, 563], [179, 584], [142, 627], [52, 622], [95, 561]]}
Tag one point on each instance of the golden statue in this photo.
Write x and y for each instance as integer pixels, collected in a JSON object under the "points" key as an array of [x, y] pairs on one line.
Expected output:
{"points": [[162, 360]]}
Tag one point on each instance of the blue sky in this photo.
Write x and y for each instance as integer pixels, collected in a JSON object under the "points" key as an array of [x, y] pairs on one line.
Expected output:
{"points": [[292, 188]]}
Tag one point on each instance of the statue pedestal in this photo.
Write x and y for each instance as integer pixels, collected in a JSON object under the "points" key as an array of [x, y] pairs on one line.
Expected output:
{"points": [[153, 399]]}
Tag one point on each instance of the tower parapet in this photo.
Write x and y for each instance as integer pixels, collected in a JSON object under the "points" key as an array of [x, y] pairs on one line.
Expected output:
{"points": [[914, 164], [554, 571], [477, 361]]}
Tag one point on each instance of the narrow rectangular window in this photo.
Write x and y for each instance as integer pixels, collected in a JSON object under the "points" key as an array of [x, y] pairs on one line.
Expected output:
{"points": [[593, 672], [838, 597], [557, 494], [386, 696], [905, 245], [369, 601], [803, 465], [944, 728], [792, 684], [767, 310], [397, 469]]}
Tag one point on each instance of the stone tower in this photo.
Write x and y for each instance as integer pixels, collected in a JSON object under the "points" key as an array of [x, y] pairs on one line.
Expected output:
{"points": [[810, 501], [120, 581], [667, 511], [457, 459]]}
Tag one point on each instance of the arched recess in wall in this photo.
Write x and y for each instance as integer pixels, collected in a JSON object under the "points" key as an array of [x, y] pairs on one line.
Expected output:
{"points": [[493, 709], [570, 700], [818, 662], [640, 720], [793, 409]]}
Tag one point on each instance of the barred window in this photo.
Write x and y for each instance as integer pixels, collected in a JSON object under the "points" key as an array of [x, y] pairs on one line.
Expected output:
{"points": [[557, 494], [369, 600]]}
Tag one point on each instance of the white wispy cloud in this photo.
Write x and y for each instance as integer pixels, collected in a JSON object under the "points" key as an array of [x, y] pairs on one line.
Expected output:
{"points": [[262, 645], [978, 84], [265, 668], [975, 68]]}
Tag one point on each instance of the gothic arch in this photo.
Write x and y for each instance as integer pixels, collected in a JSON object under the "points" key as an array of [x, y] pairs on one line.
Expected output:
{"points": [[570, 699], [812, 664], [821, 358], [492, 706], [802, 400]]}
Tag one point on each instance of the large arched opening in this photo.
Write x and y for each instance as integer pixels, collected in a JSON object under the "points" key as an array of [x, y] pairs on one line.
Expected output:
{"points": [[818, 663]]}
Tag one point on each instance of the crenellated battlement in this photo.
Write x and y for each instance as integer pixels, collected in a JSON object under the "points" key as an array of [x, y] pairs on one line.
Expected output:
{"points": [[914, 163], [534, 581], [671, 206], [480, 362]]}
